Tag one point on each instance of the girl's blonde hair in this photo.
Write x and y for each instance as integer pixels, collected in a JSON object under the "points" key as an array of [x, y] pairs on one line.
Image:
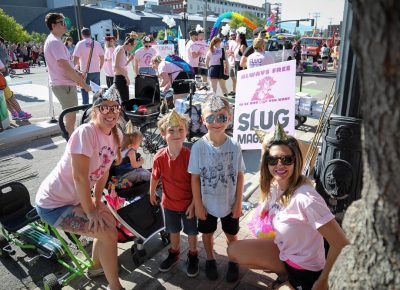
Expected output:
{"points": [[213, 42], [156, 59], [296, 180], [132, 134]]}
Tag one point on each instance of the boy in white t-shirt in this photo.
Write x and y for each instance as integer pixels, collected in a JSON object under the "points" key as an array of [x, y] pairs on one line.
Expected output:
{"points": [[217, 168]]}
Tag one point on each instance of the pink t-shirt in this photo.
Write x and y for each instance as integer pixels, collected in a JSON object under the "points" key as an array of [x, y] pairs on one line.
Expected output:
{"points": [[122, 61], [58, 189], [168, 67], [55, 50], [143, 56], [296, 227], [233, 46], [259, 59], [108, 54], [82, 50], [215, 56]]}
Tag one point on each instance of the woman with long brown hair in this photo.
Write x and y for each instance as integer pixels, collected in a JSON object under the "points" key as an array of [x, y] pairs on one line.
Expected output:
{"points": [[299, 218], [216, 67]]}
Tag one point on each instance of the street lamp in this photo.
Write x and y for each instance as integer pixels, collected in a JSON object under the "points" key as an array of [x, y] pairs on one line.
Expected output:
{"points": [[184, 18]]}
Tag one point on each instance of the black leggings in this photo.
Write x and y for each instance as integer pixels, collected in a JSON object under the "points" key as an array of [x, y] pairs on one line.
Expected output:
{"points": [[109, 81], [122, 87]]}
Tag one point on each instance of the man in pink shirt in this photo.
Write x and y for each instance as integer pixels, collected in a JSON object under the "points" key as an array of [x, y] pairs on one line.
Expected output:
{"points": [[62, 76], [90, 65]]}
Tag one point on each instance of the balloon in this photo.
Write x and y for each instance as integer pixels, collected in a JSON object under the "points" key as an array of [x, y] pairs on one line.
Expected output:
{"points": [[235, 15]]}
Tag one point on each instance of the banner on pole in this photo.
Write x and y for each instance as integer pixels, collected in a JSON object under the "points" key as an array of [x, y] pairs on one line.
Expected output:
{"points": [[264, 95], [181, 48], [164, 49]]}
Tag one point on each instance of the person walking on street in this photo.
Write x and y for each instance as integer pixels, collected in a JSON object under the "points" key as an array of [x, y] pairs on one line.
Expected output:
{"points": [[217, 65], [119, 64], [233, 45], [325, 52], [258, 32], [259, 57], [109, 51], [69, 43], [89, 59], [62, 76], [142, 58]]}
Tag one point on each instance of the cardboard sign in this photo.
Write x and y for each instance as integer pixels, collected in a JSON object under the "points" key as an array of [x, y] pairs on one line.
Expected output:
{"points": [[164, 49], [264, 95]]}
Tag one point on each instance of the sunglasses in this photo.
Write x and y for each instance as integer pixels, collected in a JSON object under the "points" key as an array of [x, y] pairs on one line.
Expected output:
{"points": [[104, 109], [221, 118], [285, 160], [62, 22], [147, 46]]}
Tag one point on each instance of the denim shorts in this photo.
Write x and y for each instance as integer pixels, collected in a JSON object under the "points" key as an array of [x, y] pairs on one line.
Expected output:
{"points": [[174, 221], [54, 216]]}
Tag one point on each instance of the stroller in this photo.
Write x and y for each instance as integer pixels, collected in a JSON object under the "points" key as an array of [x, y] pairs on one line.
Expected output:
{"points": [[22, 227], [142, 220]]}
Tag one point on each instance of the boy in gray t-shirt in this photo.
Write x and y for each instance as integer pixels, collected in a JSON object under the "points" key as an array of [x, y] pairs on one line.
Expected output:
{"points": [[217, 168]]}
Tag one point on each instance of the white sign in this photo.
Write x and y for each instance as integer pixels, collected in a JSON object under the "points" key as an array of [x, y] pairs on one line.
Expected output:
{"points": [[164, 49], [264, 95], [181, 48]]}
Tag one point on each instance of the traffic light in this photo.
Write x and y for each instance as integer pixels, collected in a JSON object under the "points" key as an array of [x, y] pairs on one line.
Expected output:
{"points": [[297, 23], [312, 22]]}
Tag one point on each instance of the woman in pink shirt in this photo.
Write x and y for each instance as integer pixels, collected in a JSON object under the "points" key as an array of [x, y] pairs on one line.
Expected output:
{"points": [[108, 54], [168, 72], [215, 69], [119, 64], [142, 60], [64, 198], [300, 221]]}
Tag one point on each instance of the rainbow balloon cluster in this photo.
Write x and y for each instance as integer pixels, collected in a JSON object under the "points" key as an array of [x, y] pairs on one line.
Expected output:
{"points": [[235, 15], [270, 27]]}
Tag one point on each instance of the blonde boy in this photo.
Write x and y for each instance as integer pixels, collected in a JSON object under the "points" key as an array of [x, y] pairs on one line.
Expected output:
{"points": [[217, 167], [171, 164]]}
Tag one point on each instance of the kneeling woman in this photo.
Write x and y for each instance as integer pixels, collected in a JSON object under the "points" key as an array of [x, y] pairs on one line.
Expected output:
{"points": [[64, 198], [169, 75], [299, 217]]}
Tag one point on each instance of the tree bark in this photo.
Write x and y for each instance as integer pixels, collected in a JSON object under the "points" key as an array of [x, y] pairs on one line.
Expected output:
{"points": [[372, 224]]}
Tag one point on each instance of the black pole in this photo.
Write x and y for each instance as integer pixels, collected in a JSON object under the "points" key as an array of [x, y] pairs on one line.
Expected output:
{"points": [[301, 81]]}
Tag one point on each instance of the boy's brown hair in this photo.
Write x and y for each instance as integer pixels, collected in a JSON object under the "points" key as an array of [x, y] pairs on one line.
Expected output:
{"points": [[52, 18]]}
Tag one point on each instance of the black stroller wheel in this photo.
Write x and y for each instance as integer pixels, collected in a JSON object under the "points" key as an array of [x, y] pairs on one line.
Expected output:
{"points": [[152, 139], [50, 282], [138, 256], [3, 243]]}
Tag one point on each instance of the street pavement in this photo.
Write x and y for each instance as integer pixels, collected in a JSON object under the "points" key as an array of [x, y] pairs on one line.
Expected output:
{"points": [[37, 142]]}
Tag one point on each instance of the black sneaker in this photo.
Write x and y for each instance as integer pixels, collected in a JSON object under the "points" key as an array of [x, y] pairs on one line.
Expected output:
{"points": [[233, 272], [211, 270], [231, 93], [192, 269], [169, 262]]}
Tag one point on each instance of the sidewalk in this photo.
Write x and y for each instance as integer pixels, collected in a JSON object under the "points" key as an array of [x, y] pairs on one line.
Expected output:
{"points": [[147, 276]]}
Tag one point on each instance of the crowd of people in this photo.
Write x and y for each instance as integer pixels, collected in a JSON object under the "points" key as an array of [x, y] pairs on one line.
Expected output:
{"points": [[209, 186]]}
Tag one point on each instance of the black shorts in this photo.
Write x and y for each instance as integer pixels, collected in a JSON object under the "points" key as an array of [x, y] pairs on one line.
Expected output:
{"points": [[301, 279], [196, 70], [229, 225], [202, 71], [214, 71]]}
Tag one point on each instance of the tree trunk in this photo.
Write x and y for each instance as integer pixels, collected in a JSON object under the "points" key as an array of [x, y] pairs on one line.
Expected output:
{"points": [[372, 224]]}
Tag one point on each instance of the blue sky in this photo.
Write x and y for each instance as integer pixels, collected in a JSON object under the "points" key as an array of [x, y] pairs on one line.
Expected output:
{"points": [[331, 11]]}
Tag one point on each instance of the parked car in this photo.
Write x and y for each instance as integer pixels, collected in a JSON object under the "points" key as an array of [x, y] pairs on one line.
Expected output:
{"points": [[314, 45], [281, 50]]}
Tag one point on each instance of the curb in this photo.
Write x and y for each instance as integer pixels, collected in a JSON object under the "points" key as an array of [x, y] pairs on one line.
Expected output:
{"points": [[253, 184], [15, 136]]}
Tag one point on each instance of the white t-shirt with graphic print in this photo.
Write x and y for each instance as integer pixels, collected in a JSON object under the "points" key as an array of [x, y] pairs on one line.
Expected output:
{"points": [[218, 168]]}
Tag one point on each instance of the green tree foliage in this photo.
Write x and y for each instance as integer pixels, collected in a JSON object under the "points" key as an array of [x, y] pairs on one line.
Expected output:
{"points": [[38, 37], [235, 23], [161, 33], [10, 30]]}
